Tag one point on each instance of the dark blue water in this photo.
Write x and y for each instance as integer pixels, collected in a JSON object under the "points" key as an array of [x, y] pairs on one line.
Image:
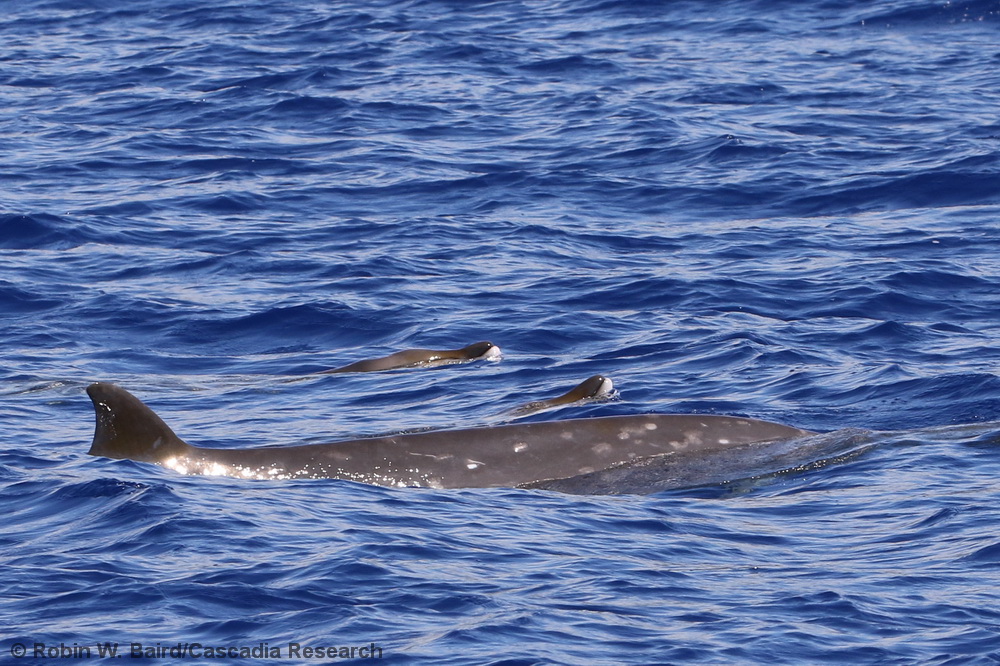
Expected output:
{"points": [[789, 211]]}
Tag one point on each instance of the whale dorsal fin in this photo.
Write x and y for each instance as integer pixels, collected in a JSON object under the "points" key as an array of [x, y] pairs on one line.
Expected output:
{"points": [[126, 428]]}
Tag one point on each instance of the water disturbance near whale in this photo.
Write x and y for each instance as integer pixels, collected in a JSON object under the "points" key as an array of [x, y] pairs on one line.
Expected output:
{"points": [[531, 454]]}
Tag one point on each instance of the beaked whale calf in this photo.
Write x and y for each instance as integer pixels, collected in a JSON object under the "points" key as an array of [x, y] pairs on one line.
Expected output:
{"points": [[593, 388], [542, 454], [412, 358]]}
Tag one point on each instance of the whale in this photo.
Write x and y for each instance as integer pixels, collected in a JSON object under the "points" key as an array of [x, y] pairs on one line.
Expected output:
{"points": [[592, 388], [412, 358], [540, 454]]}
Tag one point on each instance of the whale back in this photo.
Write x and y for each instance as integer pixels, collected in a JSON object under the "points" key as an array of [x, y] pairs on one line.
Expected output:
{"points": [[503, 455]]}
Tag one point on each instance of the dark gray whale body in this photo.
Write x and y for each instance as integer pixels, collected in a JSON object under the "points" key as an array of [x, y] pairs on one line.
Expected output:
{"points": [[410, 358], [592, 388], [542, 454]]}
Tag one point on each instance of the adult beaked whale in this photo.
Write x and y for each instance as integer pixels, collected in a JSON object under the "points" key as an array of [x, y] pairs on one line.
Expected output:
{"points": [[411, 358], [500, 456]]}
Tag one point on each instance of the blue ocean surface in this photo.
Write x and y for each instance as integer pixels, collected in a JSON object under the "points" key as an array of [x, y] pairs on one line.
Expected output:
{"points": [[782, 210]]}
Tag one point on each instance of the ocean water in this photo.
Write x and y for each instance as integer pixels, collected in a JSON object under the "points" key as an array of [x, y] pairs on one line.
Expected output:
{"points": [[789, 211]]}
